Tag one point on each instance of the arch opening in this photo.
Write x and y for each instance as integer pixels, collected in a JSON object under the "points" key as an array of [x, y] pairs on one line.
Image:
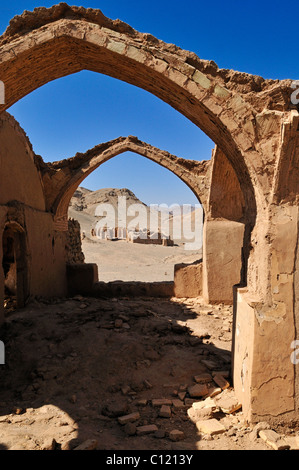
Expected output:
{"points": [[175, 77], [149, 238]]}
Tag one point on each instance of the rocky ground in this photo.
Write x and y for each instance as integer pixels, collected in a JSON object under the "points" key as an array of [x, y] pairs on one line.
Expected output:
{"points": [[123, 374]]}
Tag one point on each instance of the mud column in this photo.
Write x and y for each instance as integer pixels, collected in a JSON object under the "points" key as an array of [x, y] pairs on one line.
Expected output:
{"points": [[222, 259], [265, 359]]}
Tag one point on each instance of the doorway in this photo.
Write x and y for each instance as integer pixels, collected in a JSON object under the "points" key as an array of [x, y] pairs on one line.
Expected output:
{"points": [[14, 265]]}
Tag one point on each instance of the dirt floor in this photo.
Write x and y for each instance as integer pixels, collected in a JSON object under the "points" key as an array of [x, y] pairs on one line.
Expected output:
{"points": [[75, 367]]}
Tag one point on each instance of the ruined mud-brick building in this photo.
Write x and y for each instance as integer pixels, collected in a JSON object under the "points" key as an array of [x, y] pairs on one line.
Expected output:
{"points": [[249, 190]]}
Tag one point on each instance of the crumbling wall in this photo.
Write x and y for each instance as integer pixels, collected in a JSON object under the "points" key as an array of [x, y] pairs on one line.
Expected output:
{"points": [[20, 179], [188, 280], [22, 203], [74, 254]]}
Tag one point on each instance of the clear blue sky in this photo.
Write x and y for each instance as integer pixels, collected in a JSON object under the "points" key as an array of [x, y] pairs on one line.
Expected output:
{"points": [[77, 112]]}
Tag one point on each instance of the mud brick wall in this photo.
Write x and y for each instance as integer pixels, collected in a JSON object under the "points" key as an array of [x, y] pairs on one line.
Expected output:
{"points": [[74, 245]]}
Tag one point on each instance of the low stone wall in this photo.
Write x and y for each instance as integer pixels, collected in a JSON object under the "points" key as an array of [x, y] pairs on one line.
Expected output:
{"points": [[133, 289], [188, 280], [81, 278]]}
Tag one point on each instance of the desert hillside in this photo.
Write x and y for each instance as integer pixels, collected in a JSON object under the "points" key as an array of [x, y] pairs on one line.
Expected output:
{"points": [[122, 260], [84, 207]]}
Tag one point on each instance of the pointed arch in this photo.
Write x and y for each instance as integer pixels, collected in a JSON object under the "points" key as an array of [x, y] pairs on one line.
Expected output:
{"points": [[61, 179], [47, 44]]}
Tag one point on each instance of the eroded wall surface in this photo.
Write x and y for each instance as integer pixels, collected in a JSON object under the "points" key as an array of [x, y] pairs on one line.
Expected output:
{"points": [[22, 202]]}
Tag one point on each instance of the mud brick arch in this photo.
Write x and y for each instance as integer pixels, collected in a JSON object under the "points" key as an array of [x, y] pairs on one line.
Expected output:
{"points": [[61, 179]]}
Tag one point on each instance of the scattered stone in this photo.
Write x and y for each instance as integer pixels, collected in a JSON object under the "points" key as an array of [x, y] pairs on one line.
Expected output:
{"points": [[90, 444], [130, 429], [203, 378], [69, 444], [147, 384], [198, 390], [257, 428], [49, 444], [207, 403], [224, 373], [4, 419], [221, 381], [118, 323], [142, 402], [190, 401], [227, 402], [161, 401], [125, 389], [129, 418], [175, 435], [293, 442], [178, 404], [115, 409], [274, 440], [165, 411], [209, 363], [212, 427], [183, 388], [200, 414], [146, 429], [160, 434], [181, 395], [213, 391]]}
